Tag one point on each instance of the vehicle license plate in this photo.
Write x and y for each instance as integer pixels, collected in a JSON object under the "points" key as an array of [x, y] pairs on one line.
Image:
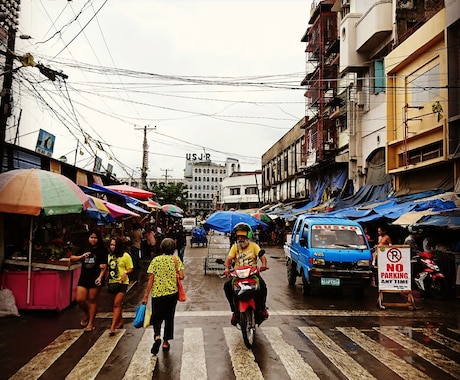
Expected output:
{"points": [[330, 281]]}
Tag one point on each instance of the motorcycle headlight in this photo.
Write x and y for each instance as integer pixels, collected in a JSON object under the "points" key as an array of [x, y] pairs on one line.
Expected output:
{"points": [[243, 273], [363, 263]]}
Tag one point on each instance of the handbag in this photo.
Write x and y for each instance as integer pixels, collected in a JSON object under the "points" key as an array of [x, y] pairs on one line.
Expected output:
{"points": [[181, 297], [139, 316], [148, 313]]}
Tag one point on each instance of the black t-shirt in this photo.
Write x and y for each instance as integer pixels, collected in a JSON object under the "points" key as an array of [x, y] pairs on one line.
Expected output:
{"points": [[180, 239], [90, 266]]}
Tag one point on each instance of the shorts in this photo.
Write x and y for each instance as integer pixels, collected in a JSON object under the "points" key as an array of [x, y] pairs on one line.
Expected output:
{"points": [[116, 287]]}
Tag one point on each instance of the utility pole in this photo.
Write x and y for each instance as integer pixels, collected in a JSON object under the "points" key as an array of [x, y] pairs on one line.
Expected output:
{"points": [[9, 21], [166, 174], [145, 159]]}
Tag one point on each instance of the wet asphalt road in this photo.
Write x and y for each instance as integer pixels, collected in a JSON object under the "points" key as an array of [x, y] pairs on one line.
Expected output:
{"points": [[310, 335]]}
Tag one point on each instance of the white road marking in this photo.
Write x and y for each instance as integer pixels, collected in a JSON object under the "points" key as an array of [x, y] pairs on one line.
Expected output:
{"points": [[143, 362], [440, 338], [344, 362], [426, 353], [193, 356], [89, 365], [43, 360], [392, 361], [243, 360], [290, 357], [292, 313]]}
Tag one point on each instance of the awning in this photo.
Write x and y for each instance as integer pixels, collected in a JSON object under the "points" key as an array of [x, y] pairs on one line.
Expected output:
{"points": [[449, 219]]}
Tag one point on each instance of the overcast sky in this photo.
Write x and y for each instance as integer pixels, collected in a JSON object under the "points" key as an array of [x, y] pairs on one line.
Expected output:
{"points": [[221, 77]]}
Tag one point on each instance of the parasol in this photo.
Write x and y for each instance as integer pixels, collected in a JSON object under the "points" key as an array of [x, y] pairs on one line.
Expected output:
{"points": [[151, 204], [34, 192], [131, 191], [262, 216], [172, 209], [224, 221]]}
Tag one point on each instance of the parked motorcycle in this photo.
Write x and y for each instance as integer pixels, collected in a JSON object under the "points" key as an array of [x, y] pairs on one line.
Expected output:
{"points": [[428, 276], [245, 285]]}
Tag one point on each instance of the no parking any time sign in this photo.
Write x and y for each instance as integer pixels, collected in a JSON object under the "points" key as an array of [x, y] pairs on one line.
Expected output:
{"points": [[394, 269]]}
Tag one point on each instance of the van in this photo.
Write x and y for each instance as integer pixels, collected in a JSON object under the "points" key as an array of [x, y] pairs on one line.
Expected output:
{"points": [[328, 252], [189, 224]]}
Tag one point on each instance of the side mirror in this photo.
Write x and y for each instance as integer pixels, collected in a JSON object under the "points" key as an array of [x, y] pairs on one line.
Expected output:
{"points": [[302, 242]]}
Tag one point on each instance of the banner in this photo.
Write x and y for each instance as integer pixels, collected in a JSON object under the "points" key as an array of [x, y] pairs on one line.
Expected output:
{"points": [[45, 143]]}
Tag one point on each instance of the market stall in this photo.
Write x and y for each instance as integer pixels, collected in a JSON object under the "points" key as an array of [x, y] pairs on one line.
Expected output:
{"points": [[35, 206]]}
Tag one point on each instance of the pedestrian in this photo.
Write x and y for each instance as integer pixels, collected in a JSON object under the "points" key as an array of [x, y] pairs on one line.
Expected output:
{"points": [[382, 241], [181, 240], [136, 239], [120, 266], [150, 240], [93, 269], [162, 286]]}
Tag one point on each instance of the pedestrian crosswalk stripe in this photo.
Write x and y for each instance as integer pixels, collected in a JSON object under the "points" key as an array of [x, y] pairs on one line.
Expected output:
{"points": [[143, 362], [344, 362], [389, 359], [89, 365], [440, 338], [290, 357], [426, 353], [193, 365], [243, 360], [40, 362]]}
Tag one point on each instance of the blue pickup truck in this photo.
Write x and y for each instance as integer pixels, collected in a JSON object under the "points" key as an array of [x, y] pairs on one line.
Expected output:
{"points": [[328, 252]]}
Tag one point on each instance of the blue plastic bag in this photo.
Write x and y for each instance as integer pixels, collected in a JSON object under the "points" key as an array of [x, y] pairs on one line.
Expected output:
{"points": [[139, 316]]}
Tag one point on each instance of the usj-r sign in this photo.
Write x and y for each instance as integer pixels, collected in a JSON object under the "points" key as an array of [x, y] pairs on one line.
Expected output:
{"points": [[394, 269]]}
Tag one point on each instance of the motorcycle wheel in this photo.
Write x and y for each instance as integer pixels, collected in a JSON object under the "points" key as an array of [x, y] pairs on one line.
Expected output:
{"points": [[248, 327], [438, 289]]}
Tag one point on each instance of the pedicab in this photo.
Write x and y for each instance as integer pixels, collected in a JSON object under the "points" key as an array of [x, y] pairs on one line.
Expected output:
{"points": [[199, 237]]}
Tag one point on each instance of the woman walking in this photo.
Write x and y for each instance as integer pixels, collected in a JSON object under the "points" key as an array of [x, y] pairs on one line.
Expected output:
{"points": [[93, 268], [120, 266], [162, 285]]}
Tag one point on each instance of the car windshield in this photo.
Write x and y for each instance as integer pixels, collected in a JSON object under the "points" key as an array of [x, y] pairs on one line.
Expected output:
{"points": [[337, 236]]}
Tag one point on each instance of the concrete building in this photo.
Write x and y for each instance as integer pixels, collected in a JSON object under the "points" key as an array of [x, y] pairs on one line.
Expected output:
{"points": [[241, 191]]}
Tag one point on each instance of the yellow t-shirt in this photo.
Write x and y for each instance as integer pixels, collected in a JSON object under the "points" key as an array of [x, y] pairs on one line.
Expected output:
{"points": [[163, 269], [247, 256], [119, 266]]}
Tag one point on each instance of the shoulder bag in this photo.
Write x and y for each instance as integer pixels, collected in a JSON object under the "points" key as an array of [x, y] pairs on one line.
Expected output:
{"points": [[181, 297]]}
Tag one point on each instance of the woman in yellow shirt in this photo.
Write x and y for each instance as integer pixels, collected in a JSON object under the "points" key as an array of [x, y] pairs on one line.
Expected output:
{"points": [[162, 286], [120, 266]]}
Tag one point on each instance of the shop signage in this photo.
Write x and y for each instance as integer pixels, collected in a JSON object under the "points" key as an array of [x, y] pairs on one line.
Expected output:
{"points": [[45, 143], [394, 270]]}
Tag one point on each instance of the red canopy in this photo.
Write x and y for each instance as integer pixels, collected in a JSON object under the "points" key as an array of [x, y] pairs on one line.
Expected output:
{"points": [[131, 191]]}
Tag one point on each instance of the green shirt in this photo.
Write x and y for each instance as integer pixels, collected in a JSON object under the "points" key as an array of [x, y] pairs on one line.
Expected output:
{"points": [[163, 269]]}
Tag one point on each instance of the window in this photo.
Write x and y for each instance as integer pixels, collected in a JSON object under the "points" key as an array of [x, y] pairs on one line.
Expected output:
{"points": [[425, 87], [379, 76], [235, 191], [250, 190]]}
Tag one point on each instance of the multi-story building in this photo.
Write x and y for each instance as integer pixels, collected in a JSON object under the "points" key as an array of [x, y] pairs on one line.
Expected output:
{"points": [[422, 134], [203, 179], [362, 58], [241, 191]]}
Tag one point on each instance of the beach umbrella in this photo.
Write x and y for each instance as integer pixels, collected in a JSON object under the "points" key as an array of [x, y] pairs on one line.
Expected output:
{"points": [[224, 221], [131, 191], [172, 209], [259, 215], [119, 211], [151, 204], [34, 192]]}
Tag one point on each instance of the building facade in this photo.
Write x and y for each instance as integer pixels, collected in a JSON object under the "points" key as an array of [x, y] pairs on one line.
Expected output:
{"points": [[241, 191]]}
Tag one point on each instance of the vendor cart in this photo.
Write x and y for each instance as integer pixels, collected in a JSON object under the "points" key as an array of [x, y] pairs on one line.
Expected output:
{"points": [[199, 237], [218, 248]]}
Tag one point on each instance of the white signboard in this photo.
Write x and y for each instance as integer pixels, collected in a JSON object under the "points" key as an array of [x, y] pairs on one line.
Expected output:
{"points": [[394, 270]]}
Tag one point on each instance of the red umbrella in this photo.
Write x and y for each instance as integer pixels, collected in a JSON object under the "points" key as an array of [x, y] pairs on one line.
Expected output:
{"points": [[131, 191]]}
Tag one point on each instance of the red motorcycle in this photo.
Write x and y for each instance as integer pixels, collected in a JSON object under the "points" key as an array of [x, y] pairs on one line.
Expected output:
{"points": [[428, 276], [245, 285]]}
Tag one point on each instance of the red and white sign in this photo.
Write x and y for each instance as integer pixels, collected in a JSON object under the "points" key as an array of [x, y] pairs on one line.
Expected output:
{"points": [[394, 270]]}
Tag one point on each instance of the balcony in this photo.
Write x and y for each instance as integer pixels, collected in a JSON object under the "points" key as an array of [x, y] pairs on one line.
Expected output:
{"points": [[375, 26]]}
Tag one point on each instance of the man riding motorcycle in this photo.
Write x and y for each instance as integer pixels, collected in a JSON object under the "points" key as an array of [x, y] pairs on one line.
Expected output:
{"points": [[245, 252]]}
